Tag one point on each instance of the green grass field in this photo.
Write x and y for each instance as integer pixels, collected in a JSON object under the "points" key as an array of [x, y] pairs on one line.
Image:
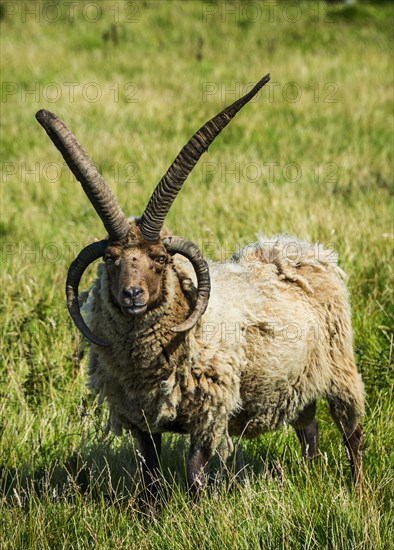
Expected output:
{"points": [[312, 156]]}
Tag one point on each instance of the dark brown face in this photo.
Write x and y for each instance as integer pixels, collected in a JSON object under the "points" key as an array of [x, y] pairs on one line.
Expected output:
{"points": [[136, 275]]}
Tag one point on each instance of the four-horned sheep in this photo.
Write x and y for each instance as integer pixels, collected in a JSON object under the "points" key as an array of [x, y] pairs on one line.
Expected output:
{"points": [[212, 350]]}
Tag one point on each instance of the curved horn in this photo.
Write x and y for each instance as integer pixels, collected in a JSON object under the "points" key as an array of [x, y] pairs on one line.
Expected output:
{"points": [[88, 255], [94, 185], [169, 186], [177, 245]]}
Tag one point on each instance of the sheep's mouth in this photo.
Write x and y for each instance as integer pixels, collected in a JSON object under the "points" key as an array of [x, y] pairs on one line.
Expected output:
{"points": [[136, 309]]}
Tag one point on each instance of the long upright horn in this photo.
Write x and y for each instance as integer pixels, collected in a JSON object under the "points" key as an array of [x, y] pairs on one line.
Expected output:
{"points": [[169, 186], [94, 185]]}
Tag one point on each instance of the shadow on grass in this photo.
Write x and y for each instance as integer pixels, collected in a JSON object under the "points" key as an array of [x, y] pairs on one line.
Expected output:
{"points": [[103, 471]]}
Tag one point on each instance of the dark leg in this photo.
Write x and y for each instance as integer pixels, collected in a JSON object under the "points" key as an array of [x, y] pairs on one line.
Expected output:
{"points": [[344, 415], [353, 443], [307, 431], [196, 463], [148, 457], [309, 439]]}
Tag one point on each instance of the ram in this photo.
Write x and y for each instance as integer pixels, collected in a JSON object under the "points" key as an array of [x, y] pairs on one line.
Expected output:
{"points": [[156, 313]]}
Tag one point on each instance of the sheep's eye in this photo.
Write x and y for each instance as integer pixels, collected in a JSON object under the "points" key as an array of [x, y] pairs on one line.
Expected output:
{"points": [[110, 260], [161, 259]]}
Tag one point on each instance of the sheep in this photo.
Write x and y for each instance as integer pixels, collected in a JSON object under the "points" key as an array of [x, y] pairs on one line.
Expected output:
{"points": [[213, 350]]}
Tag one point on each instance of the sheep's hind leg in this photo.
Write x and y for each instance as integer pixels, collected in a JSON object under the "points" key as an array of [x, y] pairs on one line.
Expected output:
{"points": [[307, 431], [345, 417], [196, 463], [148, 457]]}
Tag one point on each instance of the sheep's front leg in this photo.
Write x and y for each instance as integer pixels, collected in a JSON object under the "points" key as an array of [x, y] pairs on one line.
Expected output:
{"points": [[196, 463], [148, 458]]}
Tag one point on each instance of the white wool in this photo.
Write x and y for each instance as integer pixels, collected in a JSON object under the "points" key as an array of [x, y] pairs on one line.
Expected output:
{"points": [[275, 337]]}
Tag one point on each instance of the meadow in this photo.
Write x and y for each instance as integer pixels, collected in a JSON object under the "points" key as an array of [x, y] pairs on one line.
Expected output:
{"points": [[311, 156]]}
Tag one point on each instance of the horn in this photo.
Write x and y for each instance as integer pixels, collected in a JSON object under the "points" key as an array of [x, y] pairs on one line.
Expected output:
{"points": [[88, 255], [177, 245], [94, 185], [169, 186]]}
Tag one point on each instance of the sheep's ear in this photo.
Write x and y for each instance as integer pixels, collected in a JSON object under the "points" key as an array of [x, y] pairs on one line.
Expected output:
{"points": [[177, 245], [169, 186], [88, 255]]}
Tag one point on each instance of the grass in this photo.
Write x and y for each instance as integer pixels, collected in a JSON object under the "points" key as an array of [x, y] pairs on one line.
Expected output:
{"points": [[145, 76]]}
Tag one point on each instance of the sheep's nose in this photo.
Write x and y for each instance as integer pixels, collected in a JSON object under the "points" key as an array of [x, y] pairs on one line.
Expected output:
{"points": [[132, 293]]}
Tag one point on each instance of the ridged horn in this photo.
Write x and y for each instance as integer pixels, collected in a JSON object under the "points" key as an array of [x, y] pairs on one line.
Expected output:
{"points": [[177, 245], [83, 168], [169, 186], [88, 255]]}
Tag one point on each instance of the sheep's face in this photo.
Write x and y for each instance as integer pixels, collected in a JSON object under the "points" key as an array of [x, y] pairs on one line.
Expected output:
{"points": [[135, 269]]}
